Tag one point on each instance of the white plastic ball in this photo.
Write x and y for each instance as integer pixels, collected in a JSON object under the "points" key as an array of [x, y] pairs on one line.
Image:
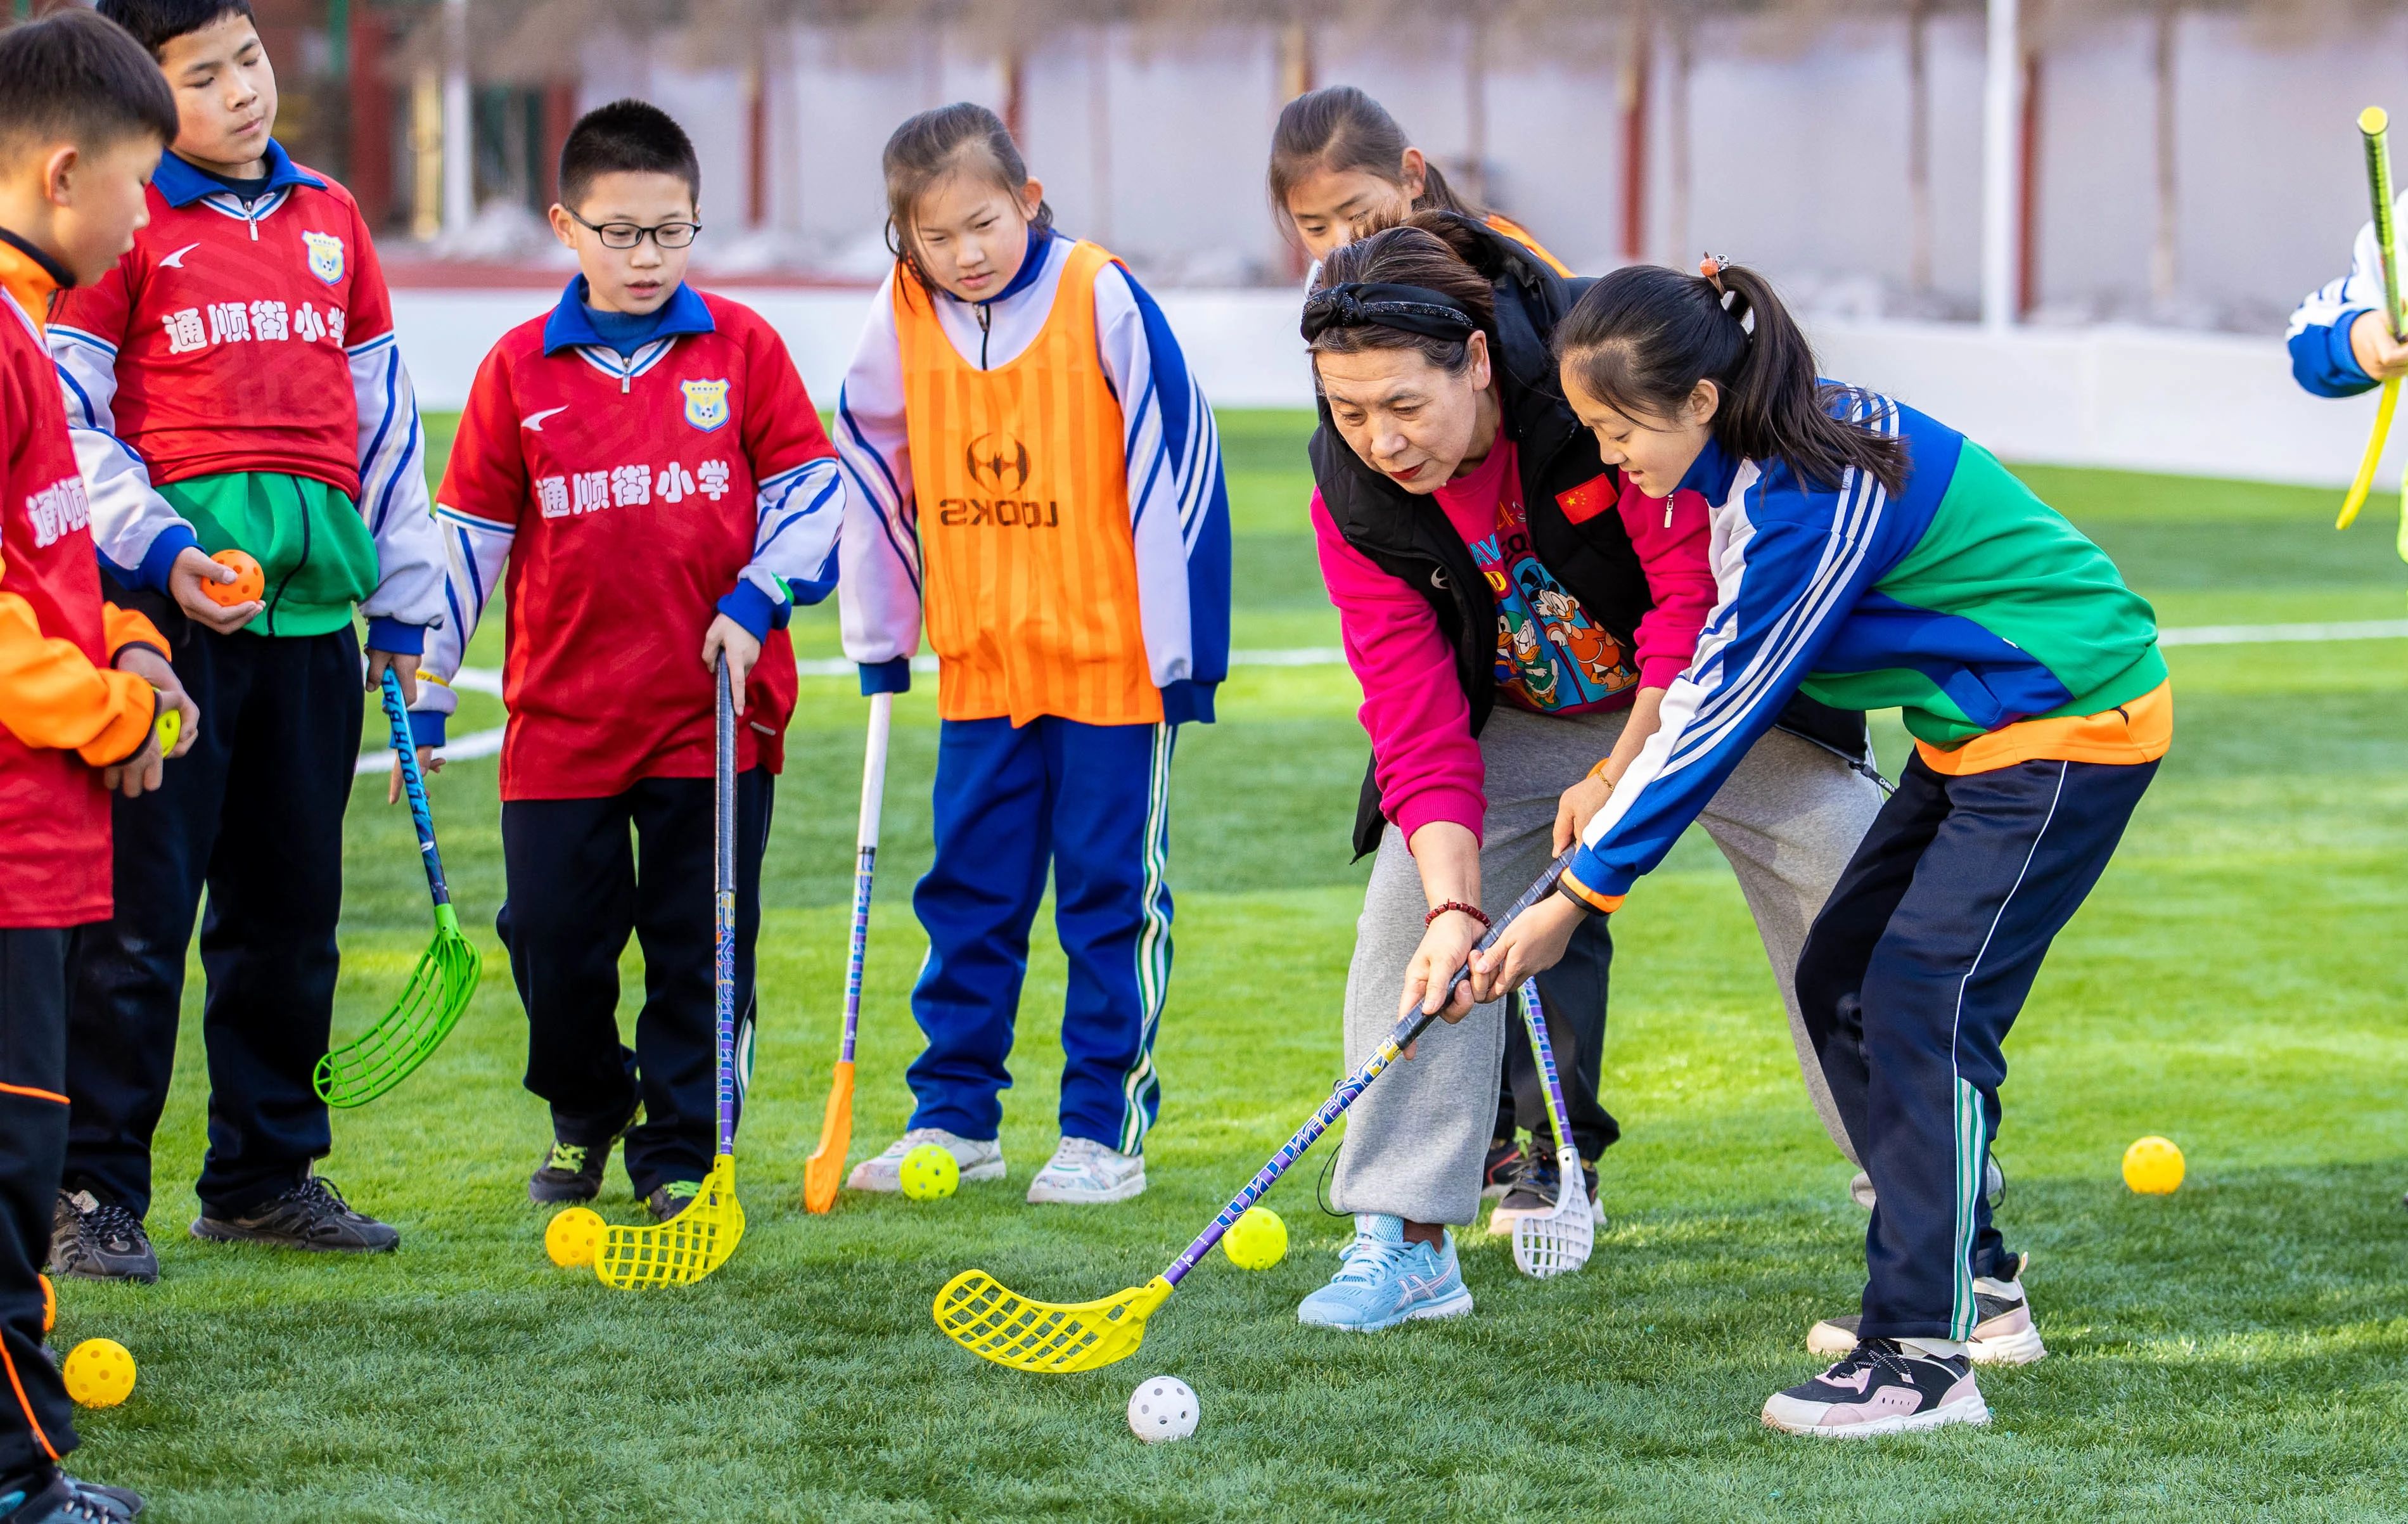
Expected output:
{"points": [[1162, 1408]]}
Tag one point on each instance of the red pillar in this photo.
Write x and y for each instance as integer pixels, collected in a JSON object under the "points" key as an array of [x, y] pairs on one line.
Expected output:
{"points": [[756, 150], [559, 116], [2028, 192], [1013, 80], [1634, 141], [371, 167]]}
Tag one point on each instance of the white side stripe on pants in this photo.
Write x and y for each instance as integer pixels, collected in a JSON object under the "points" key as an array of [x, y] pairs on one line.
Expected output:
{"points": [[1972, 1147], [1142, 1082]]}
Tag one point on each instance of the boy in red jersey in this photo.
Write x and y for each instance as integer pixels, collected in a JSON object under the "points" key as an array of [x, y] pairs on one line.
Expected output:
{"points": [[82, 118], [233, 384], [645, 463]]}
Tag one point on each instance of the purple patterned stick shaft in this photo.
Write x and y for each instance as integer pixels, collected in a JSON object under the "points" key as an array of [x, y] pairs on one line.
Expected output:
{"points": [[724, 905], [1409, 1027], [1544, 1052], [873, 790], [862, 875]]}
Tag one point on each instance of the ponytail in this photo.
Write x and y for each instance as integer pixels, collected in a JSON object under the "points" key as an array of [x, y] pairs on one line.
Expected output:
{"points": [[1640, 339]]}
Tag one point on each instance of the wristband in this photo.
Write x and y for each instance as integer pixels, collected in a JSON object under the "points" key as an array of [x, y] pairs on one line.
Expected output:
{"points": [[1598, 772], [1473, 910]]}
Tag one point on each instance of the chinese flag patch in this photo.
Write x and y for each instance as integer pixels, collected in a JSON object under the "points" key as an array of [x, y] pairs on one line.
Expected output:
{"points": [[1590, 498]]}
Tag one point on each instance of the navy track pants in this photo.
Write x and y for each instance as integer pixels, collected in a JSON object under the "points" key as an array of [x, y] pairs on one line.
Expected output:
{"points": [[254, 815], [584, 874], [1093, 803], [1910, 980], [37, 1421]]}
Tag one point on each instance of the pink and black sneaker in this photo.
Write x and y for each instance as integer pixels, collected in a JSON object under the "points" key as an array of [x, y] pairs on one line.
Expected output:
{"points": [[1881, 1387]]}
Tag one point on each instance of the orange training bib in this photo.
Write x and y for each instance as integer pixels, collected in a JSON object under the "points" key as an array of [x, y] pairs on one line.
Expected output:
{"points": [[1028, 565]]}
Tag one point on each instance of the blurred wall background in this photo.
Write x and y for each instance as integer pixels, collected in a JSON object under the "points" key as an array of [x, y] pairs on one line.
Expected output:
{"points": [[2184, 164]]}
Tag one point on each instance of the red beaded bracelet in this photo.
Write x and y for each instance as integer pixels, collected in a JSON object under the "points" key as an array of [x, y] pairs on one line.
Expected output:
{"points": [[1473, 910]]}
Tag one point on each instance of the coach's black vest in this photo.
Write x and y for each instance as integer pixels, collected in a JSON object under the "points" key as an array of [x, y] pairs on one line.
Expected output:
{"points": [[1407, 536]]}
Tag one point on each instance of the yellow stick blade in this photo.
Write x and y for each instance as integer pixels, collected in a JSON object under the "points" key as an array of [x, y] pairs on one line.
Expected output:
{"points": [[683, 1249], [2364, 482], [979, 1314], [825, 1169]]}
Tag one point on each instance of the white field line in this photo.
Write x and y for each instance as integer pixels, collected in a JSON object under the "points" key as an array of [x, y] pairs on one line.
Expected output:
{"points": [[486, 680]]}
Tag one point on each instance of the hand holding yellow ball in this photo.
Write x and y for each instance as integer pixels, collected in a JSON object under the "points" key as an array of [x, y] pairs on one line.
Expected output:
{"points": [[1256, 1240], [573, 1237], [99, 1373], [2153, 1166]]}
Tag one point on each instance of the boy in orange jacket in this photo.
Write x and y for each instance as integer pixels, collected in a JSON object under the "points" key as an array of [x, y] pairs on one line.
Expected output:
{"points": [[84, 117]]}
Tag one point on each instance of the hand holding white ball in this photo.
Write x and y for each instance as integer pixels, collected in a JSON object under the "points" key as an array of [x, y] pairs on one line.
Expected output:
{"points": [[1162, 1408]]}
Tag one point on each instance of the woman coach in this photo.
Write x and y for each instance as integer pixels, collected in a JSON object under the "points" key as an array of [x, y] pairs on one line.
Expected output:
{"points": [[1513, 615]]}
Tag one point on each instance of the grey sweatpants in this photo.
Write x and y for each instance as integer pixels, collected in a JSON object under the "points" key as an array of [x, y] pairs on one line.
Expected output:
{"points": [[1787, 818]]}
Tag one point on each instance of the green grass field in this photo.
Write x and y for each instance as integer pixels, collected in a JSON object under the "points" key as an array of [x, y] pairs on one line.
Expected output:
{"points": [[2238, 1349]]}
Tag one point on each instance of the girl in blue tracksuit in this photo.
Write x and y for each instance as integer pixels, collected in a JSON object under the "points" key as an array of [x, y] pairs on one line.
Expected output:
{"points": [[1870, 557]]}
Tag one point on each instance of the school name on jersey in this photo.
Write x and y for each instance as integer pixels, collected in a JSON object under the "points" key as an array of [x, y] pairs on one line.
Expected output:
{"points": [[59, 509], [629, 486], [1004, 512], [192, 329]]}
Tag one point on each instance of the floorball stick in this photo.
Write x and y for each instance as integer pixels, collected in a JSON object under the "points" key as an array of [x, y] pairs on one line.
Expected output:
{"points": [[2374, 126], [443, 985], [984, 1317], [699, 1238], [825, 1166], [1554, 1242]]}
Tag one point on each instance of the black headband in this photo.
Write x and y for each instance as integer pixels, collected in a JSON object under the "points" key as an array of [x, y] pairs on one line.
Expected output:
{"points": [[1413, 309]]}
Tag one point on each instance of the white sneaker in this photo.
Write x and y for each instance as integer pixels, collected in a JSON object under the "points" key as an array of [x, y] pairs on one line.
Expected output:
{"points": [[2006, 1334], [1087, 1174], [980, 1159]]}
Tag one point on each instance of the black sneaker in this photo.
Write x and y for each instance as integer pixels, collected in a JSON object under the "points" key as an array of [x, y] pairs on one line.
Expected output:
{"points": [[1533, 1189], [311, 1215], [99, 1241], [667, 1200], [64, 1500], [1504, 1161], [1881, 1387], [573, 1172], [570, 1172]]}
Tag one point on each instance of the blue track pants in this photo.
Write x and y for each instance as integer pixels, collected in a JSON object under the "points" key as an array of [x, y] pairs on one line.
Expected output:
{"points": [[1093, 802], [1912, 974]]}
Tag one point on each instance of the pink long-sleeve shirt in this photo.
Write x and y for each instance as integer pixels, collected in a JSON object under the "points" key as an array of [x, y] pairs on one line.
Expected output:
{"points": [[1551, 658]]}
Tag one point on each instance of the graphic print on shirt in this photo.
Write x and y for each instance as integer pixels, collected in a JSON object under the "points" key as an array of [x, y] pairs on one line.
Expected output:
{"points": [[1550, 655]]}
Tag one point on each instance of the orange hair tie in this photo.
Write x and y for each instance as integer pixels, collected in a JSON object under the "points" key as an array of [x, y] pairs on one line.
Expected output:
{"points": [[1711, 268]]}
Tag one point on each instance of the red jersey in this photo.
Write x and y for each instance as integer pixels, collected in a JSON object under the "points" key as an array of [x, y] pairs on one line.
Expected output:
{"points": [[64, 712], [635, 493], [231, 329]]}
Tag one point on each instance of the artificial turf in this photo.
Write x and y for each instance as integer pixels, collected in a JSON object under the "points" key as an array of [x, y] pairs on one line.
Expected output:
{"points": [[2234, 1350]]}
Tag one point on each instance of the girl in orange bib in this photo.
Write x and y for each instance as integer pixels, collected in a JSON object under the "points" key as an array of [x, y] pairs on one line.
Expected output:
{"points": [[1034, 476]]}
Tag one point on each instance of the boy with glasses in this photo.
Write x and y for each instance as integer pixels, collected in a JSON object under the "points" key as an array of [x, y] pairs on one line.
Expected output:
{"points": [[644, 473]]}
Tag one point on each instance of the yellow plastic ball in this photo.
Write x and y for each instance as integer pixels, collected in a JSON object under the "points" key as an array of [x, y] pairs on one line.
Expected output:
{"points": [[1256, 1240], [99, 1373], [930, 1173], [2153, 1166], [574, 1236]]}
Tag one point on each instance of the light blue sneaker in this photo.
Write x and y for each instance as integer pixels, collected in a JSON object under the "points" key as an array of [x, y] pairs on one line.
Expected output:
{"points": [[1386, 1281]]}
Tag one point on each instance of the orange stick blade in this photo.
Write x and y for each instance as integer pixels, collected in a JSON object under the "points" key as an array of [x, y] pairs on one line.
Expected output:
{"points": [[825, 1170]]}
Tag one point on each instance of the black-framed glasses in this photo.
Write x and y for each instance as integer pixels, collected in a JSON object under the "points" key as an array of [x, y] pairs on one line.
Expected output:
{"points": [[628, 235]]}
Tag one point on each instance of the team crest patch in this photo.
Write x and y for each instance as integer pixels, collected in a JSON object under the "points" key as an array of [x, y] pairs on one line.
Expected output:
{"points": [[325, 256], [706, 403]]}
